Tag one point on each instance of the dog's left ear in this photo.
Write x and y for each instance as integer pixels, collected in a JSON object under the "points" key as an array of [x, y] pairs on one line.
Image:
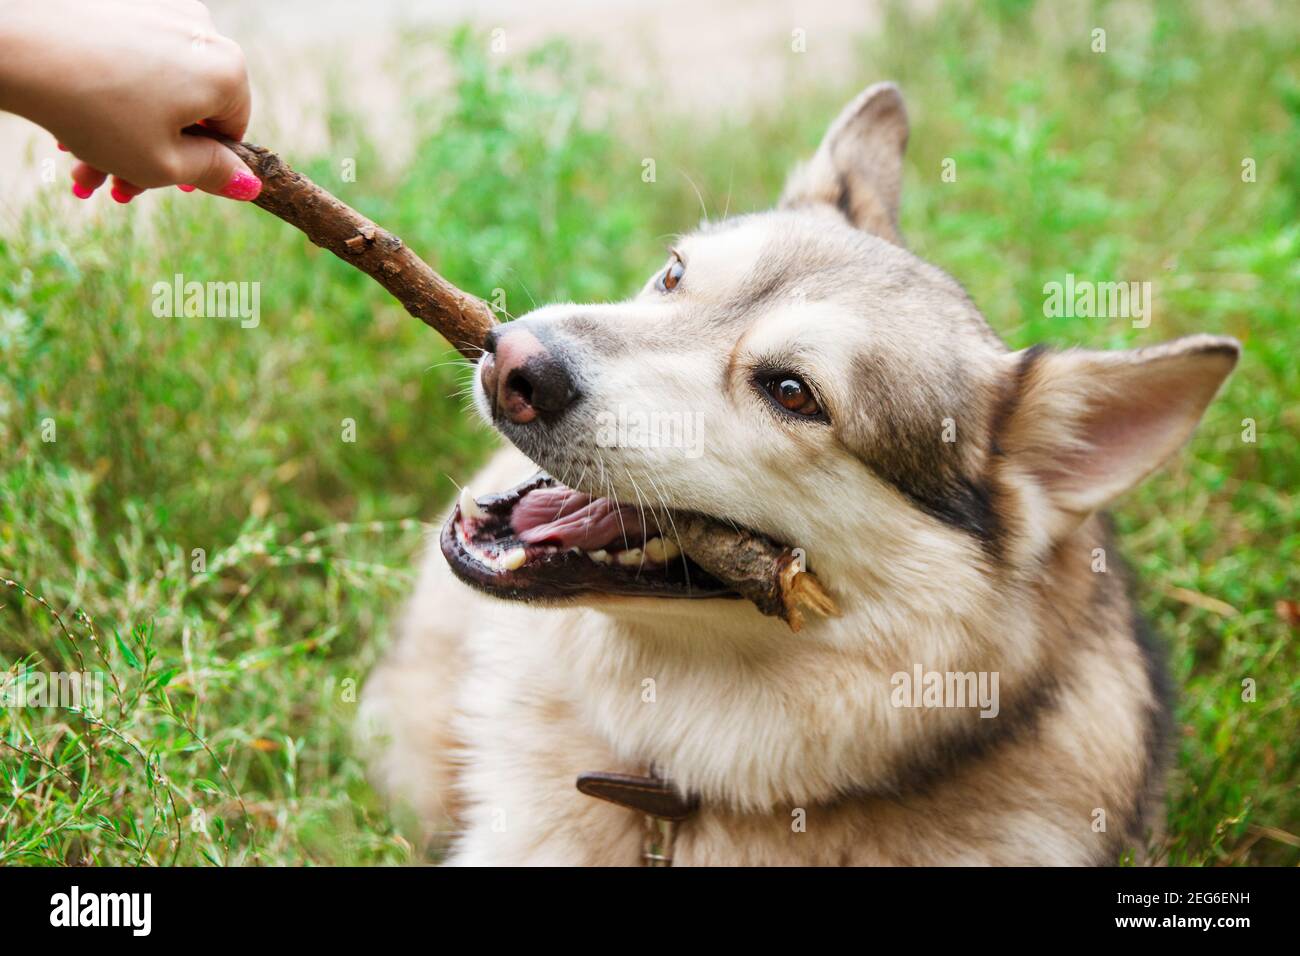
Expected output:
{"points": [[858, 168], [1087, 426]]}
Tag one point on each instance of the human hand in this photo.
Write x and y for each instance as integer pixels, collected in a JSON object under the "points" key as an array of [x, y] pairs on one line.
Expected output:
{"points": [[116, 81]]}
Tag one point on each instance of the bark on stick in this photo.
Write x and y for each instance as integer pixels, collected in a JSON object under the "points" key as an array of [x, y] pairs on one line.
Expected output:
{"points": [[462, 319], [772, 577]]}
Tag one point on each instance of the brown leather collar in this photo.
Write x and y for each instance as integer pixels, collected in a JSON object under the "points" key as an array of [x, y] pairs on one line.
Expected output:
{"points": [[650, 795], [653, 796]]}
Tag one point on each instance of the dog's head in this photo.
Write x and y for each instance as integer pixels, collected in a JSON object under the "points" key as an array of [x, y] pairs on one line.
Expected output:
{"points": [[799, 373]]}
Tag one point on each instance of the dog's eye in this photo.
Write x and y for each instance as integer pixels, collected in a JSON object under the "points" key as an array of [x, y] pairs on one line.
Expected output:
{"points": [[672, 275], [792, 394]]}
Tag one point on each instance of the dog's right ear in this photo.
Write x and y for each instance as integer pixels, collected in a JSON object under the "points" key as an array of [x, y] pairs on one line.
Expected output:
{"points": [[1085, 427], [858, 168]]}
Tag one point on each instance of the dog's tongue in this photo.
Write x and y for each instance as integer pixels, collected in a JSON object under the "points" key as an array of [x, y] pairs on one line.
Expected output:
{"points": [[570, 519]]}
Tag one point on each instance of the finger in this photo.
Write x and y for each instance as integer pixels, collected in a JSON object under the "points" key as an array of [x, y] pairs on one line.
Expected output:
{"points": [[86, 179], [232, 123], [124, 191], [207, 164], [232, 119]]}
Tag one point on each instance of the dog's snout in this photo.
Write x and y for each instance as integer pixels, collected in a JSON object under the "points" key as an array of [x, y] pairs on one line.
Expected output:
{"points": [[526, 377]]}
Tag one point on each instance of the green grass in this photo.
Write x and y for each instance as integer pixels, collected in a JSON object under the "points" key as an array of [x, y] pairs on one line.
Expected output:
{"points": [[232, 688]]}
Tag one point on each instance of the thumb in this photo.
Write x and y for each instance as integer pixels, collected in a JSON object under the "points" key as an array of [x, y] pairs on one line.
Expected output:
{"points": [[207, 164]]}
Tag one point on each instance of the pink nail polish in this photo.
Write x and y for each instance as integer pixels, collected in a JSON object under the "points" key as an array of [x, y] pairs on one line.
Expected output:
{"points": [[120, 196], [81, 192], [242, 186], [185, 187]]}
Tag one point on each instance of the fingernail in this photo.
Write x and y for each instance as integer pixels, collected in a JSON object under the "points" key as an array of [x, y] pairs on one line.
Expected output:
{"points": [[62, 147], [81, 192], [121, 195], [242, 186], [185, 187]]}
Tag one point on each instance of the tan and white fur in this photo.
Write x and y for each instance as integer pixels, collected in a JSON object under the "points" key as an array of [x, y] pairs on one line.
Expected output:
{"points": [[973, 553]]}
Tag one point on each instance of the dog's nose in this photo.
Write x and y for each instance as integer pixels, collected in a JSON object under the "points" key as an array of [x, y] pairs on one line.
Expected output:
{"points": [[526, 377]]}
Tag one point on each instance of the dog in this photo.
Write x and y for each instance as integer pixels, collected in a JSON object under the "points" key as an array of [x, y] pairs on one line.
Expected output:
{"points": [[825, 388]]}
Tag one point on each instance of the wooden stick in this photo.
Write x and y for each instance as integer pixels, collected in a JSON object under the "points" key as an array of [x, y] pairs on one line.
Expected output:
{"points": [[462, 319], [772, 577]]}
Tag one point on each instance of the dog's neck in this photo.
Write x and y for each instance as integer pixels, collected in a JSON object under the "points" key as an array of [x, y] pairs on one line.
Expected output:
{"points": [[740, 711]]}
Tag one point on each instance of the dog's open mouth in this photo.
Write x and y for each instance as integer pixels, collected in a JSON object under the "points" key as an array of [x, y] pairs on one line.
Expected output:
{"points": [[542, 539]]}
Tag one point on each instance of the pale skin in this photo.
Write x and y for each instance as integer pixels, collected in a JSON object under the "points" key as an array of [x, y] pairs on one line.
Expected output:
{"points": [[116, 82]]}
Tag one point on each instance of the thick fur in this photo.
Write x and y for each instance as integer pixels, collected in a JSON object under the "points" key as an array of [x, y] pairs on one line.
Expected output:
{"points": [[950, 503]]}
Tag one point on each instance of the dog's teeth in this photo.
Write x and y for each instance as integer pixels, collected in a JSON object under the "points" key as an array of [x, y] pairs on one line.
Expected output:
{"points": [[513, 559], [630, 558], [600, 557], [469, 508], [661, 550]]}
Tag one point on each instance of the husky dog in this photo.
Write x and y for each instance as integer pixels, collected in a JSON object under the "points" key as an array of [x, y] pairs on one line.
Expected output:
{"points": [[801, 375]]}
